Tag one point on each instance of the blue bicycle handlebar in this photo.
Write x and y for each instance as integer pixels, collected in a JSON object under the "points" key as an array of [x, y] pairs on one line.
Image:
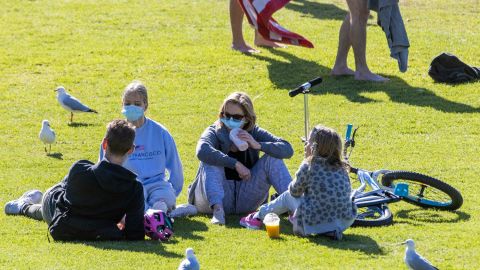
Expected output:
{"points": [[349, 132]]}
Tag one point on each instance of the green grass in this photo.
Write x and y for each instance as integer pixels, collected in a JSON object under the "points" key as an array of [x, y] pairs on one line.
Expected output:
{"points": [[180, 49]]}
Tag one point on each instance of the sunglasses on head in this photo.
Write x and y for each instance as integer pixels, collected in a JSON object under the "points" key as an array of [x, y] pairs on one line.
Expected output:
{"points": [[234, 116]]}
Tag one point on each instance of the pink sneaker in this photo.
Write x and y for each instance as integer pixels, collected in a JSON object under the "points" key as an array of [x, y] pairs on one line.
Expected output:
{"points": [[250, 222]]}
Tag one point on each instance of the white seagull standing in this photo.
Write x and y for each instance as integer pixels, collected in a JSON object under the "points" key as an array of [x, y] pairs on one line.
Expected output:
{"points": [[47, 135], [190, 262], [70, 103], [415, 261]]}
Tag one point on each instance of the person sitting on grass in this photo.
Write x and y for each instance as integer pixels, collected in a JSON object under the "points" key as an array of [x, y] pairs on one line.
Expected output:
{"points": [[320, 196], [92, 199], [230, 181], [155, 161]]}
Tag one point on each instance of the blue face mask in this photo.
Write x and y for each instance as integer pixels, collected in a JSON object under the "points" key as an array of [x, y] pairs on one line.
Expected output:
{"points": [[132, 112], [232, 123]]}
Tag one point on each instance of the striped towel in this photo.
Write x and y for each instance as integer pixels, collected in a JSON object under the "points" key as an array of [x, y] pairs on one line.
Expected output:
{"points": [[259, 15]]}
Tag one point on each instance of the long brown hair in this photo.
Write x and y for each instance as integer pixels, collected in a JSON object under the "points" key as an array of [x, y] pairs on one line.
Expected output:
{"points": [[326, 145], [244, 101]]}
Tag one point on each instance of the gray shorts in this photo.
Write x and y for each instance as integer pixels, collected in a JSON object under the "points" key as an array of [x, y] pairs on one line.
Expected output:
{"points": [[48, 203]]}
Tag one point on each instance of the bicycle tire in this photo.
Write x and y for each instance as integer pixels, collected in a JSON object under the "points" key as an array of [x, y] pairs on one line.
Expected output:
{"points": [[373, 216], [426, 182]]}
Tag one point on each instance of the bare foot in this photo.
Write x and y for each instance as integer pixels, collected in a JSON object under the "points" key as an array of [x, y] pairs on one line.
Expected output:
{"points": [[342, 71], [268, 43], [244, 48], [370, 77], [262, 42]]}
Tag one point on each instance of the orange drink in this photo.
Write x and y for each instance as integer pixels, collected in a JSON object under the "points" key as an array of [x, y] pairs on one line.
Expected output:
{"points": [[272, 223], [273, 231]]}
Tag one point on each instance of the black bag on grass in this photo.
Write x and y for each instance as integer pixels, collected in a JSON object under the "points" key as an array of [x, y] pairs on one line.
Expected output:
{"points": [[447, 68]]}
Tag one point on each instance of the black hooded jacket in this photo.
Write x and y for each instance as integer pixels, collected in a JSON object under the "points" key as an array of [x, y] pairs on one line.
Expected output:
{"points": [[93, 198]]}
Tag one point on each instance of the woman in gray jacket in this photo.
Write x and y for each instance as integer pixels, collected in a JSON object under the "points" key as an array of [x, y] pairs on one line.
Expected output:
{"points": [[233, 181]]}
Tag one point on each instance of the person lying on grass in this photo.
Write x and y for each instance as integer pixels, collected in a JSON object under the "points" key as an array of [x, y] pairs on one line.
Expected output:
{"points": [[230, 181], [92, 199], [320, 196]]}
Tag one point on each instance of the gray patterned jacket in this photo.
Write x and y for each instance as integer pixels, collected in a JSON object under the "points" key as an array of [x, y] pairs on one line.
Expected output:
{"points": [[326, 202]]}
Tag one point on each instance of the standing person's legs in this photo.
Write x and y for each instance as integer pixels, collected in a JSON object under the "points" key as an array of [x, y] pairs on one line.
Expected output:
{"points": [[344, 44], [358, 36], [236, 20], [268, 171]]}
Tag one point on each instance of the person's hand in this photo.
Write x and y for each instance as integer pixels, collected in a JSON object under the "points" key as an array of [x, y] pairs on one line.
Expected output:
{"points": [[242, 171], [245, 136], [121, 224]]}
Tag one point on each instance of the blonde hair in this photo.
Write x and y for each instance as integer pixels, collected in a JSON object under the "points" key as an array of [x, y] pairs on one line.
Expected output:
{"points": [[326, 145], [136, 87], [244, 101]]}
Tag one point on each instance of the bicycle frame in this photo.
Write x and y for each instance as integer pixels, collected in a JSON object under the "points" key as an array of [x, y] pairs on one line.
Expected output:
{"points": [[378, 195]]}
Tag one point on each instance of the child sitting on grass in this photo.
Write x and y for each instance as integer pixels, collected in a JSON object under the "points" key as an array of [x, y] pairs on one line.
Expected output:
{"points": [[93, 198], [320, 196]]}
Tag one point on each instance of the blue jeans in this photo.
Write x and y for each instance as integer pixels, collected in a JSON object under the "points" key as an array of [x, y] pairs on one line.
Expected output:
{"points": [[239, 197]]}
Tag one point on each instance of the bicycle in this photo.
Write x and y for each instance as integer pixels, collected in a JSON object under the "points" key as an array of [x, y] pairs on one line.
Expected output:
{"points": [[415, 188]]}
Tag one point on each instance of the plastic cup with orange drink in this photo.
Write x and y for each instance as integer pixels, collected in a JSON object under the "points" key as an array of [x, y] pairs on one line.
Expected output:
{"points": [[272, 224]]}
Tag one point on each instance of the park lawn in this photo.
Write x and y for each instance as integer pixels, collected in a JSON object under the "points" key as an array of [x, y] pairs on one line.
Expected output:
{"points": [[180, 50]]}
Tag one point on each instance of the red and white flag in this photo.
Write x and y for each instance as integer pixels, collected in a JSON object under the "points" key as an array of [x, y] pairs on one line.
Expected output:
{"points": [[259, 15]]}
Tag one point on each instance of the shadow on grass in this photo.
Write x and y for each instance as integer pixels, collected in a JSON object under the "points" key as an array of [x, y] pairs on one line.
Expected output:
{"points": [[55, 155], [79, 124], [186, 228], [353, 242], [292, 71], [317, 10], [432, 216], [148, 246]]}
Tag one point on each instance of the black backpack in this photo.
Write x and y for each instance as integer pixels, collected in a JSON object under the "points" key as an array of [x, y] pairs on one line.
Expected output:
{"points": [[447, 68]]}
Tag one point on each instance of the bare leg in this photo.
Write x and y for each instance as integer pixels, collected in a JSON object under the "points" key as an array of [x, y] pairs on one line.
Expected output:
{"points": [[344, 44], [358, 37], [260, 41], [236, 19], [71, 117]]}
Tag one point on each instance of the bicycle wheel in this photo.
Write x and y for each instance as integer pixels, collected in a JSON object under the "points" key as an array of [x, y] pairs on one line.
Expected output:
{"points": [[373, 216], [425, 191]]}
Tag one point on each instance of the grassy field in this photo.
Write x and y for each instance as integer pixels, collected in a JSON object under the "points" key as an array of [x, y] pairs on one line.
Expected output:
{"points": [[180, 50]]}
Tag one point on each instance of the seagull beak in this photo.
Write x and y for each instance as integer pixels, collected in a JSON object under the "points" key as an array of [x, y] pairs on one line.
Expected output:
{"points": [[403, 243]]}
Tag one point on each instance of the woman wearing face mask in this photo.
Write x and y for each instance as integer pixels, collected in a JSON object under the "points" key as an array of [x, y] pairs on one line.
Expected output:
{"points": [[155, 152], [232, 181]]}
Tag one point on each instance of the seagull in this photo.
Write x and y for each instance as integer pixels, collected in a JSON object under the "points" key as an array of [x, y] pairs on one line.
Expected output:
{"points": [[190, 262], [415, 261], [47, 135], [70, 103]]}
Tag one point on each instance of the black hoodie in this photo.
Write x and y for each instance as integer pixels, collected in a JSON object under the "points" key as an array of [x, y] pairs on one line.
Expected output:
{"points": [[93, 199]]}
